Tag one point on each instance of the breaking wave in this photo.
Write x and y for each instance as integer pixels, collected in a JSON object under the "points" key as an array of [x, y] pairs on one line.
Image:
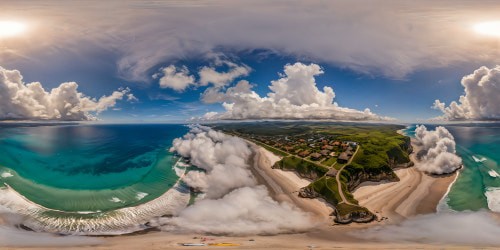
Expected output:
{"points": [[6, 175], [115, 222], [477, 159], [493, 173], [493, 197], [141, 195]]}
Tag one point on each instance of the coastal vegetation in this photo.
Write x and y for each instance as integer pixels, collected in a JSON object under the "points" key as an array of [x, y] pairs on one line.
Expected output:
{"points": [[305, 169], [336, 157]]}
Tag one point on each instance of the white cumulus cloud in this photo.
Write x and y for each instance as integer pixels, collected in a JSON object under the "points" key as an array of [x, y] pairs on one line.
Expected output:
{"points": [[209, 75], [175, 78], [294, 96], [234, 204], [30, 101], [224, 158], [480, 101], [179, 78], [440, 153]]}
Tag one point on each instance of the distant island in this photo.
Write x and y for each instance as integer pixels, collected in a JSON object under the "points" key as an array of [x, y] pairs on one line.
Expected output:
{"points": [[336, 157]]}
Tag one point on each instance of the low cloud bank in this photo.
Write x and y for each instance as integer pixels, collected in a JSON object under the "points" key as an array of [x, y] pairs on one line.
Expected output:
{"points": [[294, 96], [246, 210], [464, 228], [11, 236], [440, 153], [480, 102], [30, 101], [234, 204]]}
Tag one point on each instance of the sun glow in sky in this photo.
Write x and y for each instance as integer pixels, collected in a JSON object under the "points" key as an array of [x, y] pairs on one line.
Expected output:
{"points": [[11, 28], [488, 28]]}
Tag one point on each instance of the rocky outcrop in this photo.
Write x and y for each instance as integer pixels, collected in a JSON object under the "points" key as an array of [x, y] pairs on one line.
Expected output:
{"points": [[394, 165], [308, 175], [311, 175], [407, 145], [361, 177], [361, 216], [308, 192]]}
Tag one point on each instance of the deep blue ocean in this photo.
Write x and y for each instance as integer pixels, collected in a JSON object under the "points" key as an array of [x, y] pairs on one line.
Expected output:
{"points": [[88, 167], [478, 186]]}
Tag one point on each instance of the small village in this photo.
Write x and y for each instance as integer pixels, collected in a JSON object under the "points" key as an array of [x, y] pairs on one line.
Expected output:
{"points": [[324, 149]]}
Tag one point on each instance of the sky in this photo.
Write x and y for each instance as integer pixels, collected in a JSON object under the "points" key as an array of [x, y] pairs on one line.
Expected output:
{"points": [[178, 61]]}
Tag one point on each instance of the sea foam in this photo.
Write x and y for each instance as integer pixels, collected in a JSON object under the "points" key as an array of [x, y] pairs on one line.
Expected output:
{"points": [[115, 199], [120, 221], [476, 159], [493, 196], [493, 173], [140, 195], [6, 175]]}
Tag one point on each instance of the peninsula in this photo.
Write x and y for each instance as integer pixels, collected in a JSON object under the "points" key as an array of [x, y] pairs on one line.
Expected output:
{"points": [[335, 157]]}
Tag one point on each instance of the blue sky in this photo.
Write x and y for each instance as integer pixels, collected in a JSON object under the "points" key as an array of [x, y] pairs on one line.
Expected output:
{"points": [[395, 65], [407, 99]]}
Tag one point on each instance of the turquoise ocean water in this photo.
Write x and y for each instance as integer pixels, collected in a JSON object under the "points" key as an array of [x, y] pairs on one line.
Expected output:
{"points": [[79, 168], [478, 186]]}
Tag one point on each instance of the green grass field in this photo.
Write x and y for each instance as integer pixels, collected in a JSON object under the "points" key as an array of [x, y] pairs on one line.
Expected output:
{"points": [[330, 161], [327, 187], [304, 168]]}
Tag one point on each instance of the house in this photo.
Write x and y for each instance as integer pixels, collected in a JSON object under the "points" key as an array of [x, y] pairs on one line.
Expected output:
{"points": [[336, 143], [315, 156], [349, 153], [327, 147], [332, 172], [343, 158], [304, 153], [324, 152], [333, 154]]}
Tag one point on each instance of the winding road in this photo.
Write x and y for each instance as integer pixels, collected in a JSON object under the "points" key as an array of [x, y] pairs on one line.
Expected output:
{"points": [[341, 192], [344, 200]]}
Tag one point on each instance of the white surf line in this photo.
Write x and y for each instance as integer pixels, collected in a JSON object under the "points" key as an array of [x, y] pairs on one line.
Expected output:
{"points": [[11, 189], [442, 205], [137, 215], [41, 207]]}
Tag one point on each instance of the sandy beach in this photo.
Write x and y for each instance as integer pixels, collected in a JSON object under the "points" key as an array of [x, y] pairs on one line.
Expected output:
{"points": [[284, 185], [415, 193]]}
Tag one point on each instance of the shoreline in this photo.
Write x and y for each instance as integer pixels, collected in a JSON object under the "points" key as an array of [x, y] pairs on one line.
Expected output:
{"points": [[172, 200], [416, 193], [283, 186]]}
